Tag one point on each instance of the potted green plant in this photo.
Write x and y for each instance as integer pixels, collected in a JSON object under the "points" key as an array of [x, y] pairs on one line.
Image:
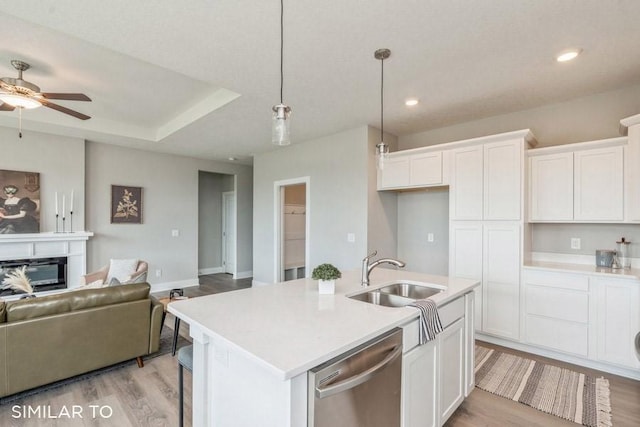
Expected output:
{"points": [[326, 275]]}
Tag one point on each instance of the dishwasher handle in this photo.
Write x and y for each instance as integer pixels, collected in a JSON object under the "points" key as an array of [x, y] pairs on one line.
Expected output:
{"points": [[351, 382]]}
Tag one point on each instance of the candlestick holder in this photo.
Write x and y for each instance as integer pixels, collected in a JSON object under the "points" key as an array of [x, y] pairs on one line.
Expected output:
{"points": [[57, 223], [70, 221], [63, 218]]}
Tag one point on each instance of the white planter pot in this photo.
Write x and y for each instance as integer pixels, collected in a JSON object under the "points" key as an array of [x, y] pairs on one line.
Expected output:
{"points": [[326, 286]]}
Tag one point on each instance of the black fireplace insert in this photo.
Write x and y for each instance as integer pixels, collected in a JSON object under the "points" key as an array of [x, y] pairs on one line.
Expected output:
{"points": [[45, 274]]}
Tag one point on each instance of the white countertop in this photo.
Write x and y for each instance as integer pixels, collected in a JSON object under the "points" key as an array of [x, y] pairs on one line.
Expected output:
{"points": [[632, 273], [290, 328]]}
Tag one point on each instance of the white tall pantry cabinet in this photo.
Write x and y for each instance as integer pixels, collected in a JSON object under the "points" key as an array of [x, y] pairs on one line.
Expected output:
{"points": [[486, 226]]}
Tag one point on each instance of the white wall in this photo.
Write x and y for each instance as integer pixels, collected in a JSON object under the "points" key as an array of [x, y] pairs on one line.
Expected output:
{"points": [[170, 201], [337, 167], [60, 162]]}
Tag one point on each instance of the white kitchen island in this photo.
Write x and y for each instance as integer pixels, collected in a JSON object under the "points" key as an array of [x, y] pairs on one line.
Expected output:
{"points": [[253, 347]]}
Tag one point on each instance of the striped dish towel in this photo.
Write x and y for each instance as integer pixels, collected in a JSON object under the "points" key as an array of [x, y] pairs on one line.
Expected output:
{"points": [[430, 324]]}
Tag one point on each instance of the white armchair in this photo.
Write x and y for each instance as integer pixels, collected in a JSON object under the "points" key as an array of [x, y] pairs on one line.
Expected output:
{"points": [[103, 275]]}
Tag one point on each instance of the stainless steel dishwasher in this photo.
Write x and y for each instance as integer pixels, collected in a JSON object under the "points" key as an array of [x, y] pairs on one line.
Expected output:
{"points": [[360, 388]]}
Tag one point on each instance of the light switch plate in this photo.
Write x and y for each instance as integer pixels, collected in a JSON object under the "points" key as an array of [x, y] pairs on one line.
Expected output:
{"points": [[351, 237], [175, 233], [430, 237]]}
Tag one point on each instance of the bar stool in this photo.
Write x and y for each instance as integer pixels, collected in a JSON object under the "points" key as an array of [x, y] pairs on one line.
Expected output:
{"points": [[185, 361]]}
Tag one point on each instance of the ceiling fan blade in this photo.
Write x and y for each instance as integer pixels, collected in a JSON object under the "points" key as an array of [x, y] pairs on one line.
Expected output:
{"points": [[6, 107], [67, 96], [64, 110]]}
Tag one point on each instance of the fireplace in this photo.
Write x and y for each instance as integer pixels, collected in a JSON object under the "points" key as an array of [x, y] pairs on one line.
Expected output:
{"points": [[45, 274]]}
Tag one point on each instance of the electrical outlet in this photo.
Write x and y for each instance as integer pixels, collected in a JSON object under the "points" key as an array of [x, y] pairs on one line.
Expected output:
{"points": [[158, 273], [575, 243], [430, 237], [175, 233], [351, 237]]}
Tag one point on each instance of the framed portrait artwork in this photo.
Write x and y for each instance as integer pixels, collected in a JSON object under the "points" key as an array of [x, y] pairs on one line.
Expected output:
{"points": [[19, 202], [126, 204]]}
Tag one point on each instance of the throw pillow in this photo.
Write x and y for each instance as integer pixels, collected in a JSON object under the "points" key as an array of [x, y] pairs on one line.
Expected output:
{"points": [[114, 282], [121, 269]]}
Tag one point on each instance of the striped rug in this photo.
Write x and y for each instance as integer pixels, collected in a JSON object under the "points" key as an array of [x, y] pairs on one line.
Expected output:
{"points": [[561, 392]]}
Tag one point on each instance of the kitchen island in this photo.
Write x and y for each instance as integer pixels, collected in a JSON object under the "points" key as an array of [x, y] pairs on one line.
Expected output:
{"points": [[253, 347]]}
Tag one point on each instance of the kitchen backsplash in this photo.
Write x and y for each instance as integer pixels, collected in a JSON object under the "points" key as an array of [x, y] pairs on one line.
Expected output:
{"points": [[556, 238]]}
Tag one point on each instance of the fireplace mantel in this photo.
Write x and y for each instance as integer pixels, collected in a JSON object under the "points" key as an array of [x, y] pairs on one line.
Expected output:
{"points": [[42, 245]]}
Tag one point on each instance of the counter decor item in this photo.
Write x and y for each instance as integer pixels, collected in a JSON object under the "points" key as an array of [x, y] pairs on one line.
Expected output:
{"points": [[326, 275], [623, 252], [604, 257]]}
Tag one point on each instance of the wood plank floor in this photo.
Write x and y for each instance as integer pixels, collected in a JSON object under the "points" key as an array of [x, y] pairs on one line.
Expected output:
{"points": [[149, 396]]}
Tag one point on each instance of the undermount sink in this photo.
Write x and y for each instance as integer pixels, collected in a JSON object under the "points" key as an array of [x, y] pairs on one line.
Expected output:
{"points": [[398, 294]]}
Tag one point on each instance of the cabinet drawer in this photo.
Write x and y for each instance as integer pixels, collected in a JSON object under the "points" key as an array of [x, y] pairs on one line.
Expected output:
{"points": [[556, 303], [561, 335], [448, 313], [554, 279]]}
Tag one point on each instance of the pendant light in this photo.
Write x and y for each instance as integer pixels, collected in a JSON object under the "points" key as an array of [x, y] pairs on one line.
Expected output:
{"points": [[281, 112], [382, 149]]}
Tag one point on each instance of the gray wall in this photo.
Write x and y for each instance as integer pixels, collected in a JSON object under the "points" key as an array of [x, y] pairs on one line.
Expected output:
{"points": [[556, 238], [210, 188], [337, 167], [582, 119], [60, 162], [420, 213], [170, 201]]}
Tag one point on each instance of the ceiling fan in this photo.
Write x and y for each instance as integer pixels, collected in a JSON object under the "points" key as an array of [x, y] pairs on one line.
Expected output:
{"points": [[19, 93]]}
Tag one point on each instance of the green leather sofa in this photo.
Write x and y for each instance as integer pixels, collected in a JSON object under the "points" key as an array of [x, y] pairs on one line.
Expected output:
{"points": [[49, 338]]}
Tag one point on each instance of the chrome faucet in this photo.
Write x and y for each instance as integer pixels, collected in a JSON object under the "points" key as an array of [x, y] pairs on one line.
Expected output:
{"points": [[366, 267]]}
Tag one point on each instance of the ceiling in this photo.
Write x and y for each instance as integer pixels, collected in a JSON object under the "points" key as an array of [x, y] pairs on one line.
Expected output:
{"points": [[199, 78]]}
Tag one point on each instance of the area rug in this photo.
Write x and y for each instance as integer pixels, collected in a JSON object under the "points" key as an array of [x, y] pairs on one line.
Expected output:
{"points": [[166, 341], [557, 391]]}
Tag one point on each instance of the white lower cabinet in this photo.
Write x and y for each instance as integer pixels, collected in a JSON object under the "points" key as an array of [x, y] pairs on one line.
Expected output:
{"points": [[586, 316], [434, 375], [419, 387], [618, 321], [451, 356]]}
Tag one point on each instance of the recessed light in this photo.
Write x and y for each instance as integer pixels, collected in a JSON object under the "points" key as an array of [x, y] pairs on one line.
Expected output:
{"points": [[568, 55], [411, 102]]}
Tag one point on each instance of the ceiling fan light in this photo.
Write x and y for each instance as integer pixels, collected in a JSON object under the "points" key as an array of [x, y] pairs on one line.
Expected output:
{"points": [[21, 101]]}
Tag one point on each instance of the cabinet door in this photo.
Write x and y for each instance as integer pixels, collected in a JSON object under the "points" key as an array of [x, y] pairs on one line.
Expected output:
{"points": [[598, 184], [465, 259], [501, 280], [395, 173], [469, 344], [425, 169], [503, 180], [551, 184], [419, 387], [451, 368], [465, 194], [618, 321]]}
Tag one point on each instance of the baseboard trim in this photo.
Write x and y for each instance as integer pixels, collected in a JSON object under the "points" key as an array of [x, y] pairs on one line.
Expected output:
{"points": [[256, 283], [211, 270], [167, 286], [575, 360], [243, 274]]}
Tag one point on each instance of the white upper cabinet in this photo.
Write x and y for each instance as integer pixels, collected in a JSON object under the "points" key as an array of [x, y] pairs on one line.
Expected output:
{"points": [[405, 170], [466, 197], [598, 185], [395, 173], [503, 180], [582, 182], [425, 169], [551, 187]]}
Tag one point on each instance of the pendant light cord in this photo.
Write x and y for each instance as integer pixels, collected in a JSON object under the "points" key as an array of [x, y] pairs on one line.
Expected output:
{"points": [[281, 48], [382, 101]]}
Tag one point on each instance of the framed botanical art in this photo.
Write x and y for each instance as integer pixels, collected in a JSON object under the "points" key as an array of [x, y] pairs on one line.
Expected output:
{"points": [[126, 204], [19, 202]]}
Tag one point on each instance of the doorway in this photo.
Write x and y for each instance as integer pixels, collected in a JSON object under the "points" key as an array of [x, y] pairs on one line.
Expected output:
{"points": [[291, 229], [229, 232]]}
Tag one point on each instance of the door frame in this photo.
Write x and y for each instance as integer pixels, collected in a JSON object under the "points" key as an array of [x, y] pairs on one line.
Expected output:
{"points": [[278, 224], [225, 197]]}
